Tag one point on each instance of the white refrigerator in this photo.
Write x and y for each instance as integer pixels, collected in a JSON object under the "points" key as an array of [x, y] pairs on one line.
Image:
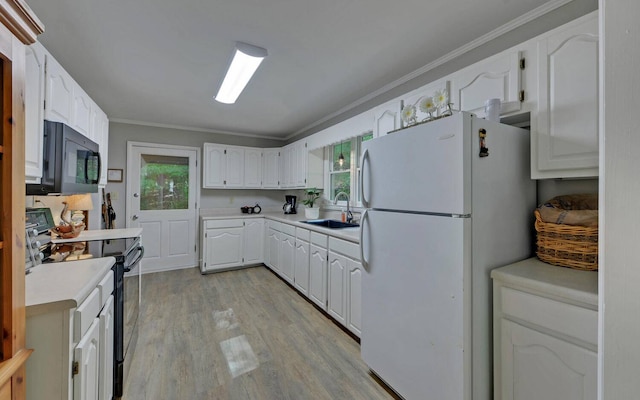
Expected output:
{"points": [[439, 216]]}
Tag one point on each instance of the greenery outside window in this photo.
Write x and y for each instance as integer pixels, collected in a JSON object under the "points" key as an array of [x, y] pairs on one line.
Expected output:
{"points": [[346, 177]]}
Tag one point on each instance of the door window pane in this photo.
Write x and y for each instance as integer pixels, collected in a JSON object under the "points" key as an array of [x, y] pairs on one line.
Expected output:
{"points": [[164, 182]]}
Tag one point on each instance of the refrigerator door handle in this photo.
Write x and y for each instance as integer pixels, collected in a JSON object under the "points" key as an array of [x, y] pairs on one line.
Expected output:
{"points": [[365, 155], [363, 219]]}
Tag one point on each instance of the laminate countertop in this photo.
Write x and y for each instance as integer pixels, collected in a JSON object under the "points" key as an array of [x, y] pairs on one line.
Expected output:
{"points": [[102, 234], [63, 285], [349, 234], [570, 284]]}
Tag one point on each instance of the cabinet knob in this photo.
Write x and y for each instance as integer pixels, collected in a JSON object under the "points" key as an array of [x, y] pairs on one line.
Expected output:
{"points": [[135, 217]]}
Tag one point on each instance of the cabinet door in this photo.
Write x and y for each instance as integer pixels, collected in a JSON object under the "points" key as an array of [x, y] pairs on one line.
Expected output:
{"points": [[301, 273], [536, 365], [386, 119], [86, 355], [81, 112], [252, 168], [354, 297], [273, 238], [34, 111], [214, 168], [567, 121], [100, 134], [106, 351], [223, 248], [337, 288], [287, 256], [253, 241], [497, 77], [318, 275], [58, 92], [301, 163], [235, 167], [270, 168]]}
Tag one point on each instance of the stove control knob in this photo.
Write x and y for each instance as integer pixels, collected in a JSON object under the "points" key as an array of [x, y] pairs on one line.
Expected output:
{"points": [[35, 245], [39, 256], [32, 232]]}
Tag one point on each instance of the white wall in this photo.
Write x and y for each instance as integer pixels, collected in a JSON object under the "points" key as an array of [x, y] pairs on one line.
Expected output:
{"points": [[619, 261]]}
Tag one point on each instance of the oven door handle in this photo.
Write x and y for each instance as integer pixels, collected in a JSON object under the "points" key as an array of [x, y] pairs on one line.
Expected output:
{"points": [[128, 267]]}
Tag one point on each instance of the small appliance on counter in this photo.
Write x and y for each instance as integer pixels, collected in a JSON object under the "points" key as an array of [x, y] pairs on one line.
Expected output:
{"points": [[290, 206]]}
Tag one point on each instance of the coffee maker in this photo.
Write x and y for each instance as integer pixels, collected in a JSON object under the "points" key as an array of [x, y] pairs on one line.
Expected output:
{"points": [[290, 206]]}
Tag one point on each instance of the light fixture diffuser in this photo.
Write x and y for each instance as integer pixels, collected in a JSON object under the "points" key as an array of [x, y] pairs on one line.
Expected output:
{"points": [[244, 64]]}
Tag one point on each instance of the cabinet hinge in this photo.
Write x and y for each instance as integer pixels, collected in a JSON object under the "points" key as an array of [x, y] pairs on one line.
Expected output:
{"points": [[205, 234], [243, 260], [522, 63], [75, 368], [45, 104], [278, 154], [305, 145], [195, 248], [521, 95], [225, 151], [225, 182]]}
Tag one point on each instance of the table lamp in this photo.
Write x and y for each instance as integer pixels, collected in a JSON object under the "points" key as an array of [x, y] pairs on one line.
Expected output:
{"points": [[77, 203]]}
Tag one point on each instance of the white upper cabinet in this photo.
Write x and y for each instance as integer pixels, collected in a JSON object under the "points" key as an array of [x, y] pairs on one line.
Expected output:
{"points": [[214, 166], [565, 132], [235, 167], [271, 168], [81, 112], [34, 110], [252, 168], [301, 163], [497, 77], [58, 92], [386, 118], [99, 133]]}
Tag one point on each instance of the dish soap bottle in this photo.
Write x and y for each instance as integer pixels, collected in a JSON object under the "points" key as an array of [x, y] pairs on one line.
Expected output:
{"points": [[343, 216]]}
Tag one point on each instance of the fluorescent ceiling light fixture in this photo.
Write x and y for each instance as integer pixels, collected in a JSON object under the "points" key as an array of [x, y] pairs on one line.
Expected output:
{"points": [[244, 64]]}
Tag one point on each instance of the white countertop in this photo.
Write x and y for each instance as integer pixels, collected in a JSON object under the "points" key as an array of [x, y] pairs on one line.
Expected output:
{"points": [[102, 234], [350, 234], [571, 284], [64, 285]]}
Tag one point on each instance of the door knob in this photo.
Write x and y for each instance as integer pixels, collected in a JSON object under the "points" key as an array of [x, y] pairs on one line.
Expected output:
{"points": [[136, 195], [135, 217]]}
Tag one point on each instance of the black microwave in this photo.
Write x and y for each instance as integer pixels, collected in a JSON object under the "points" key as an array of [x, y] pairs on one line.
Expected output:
{"points": [[71, 162]]}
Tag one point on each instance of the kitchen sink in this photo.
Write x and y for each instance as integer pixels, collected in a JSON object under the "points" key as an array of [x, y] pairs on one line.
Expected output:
{"points": [[330, 223]]}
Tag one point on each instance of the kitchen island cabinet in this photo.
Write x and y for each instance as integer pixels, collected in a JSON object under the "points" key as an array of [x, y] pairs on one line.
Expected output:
{"points": [[545, 327], [69, 310]]}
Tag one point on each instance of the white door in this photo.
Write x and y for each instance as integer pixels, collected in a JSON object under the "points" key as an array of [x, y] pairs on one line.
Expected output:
{"points": [[536, 365], [162, 191], [318, 275], [86, 354], [253, 240], [337, 301], [106, 351]]}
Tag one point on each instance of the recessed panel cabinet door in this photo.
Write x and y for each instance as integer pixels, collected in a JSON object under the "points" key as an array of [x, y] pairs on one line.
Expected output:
{"points": [[567, 122], [106, 350], [223, 248], [354, 286], [287, 256], [539, 366], [214, 168], [86, 354], [235, 167], [58, 92], [318, 275], [252, 168], [270, 168], [337, 290], [34, 110], [301, 273], [253, 240]]}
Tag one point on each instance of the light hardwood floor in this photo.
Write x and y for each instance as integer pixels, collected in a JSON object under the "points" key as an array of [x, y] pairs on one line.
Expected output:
{"points": [[241, 335]]}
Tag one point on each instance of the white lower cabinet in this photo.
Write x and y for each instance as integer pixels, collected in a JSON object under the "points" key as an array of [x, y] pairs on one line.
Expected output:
{"points": [[73, 357], [354, 300], [545, 332], [287, 256], [301, 262], [337, 287], [345, 284], [231, 243], [318, 259], [272, 247]]}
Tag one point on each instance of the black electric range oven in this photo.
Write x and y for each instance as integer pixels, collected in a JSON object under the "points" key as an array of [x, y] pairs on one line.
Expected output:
{"points": [[128, 252]]}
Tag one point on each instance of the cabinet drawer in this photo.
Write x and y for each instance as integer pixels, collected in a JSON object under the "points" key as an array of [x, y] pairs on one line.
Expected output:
{"points": [[302, 234], [223, 223], [568, 319], [349, 249], [106, 288], [275, 225], [288, 229], [319, 239], [84, 315]]}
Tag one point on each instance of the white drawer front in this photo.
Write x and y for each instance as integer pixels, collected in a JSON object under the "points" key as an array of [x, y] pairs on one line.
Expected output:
{"points": [[302, 234], [578, 322], [223, 223], [349, 249], [85, 314], [319, 239], [106, 288], [288, 229], [275, 225]]}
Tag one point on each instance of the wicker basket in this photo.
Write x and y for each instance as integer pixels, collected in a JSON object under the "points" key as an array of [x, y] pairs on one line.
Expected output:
{"points": [[567, 245]]}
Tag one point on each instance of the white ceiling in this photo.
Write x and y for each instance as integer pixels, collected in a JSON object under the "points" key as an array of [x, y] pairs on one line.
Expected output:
{"points": [[161, 61]]}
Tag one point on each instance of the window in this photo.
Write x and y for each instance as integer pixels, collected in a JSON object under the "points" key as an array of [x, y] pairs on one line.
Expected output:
{"points": [[340, 174], [346, 177]]}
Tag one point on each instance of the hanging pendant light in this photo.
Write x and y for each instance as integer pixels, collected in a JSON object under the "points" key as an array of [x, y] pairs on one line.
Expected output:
{"points": [[341, 156]]}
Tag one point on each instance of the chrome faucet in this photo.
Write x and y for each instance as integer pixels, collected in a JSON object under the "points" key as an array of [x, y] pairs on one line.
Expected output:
{"points": [[349, 213]]}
